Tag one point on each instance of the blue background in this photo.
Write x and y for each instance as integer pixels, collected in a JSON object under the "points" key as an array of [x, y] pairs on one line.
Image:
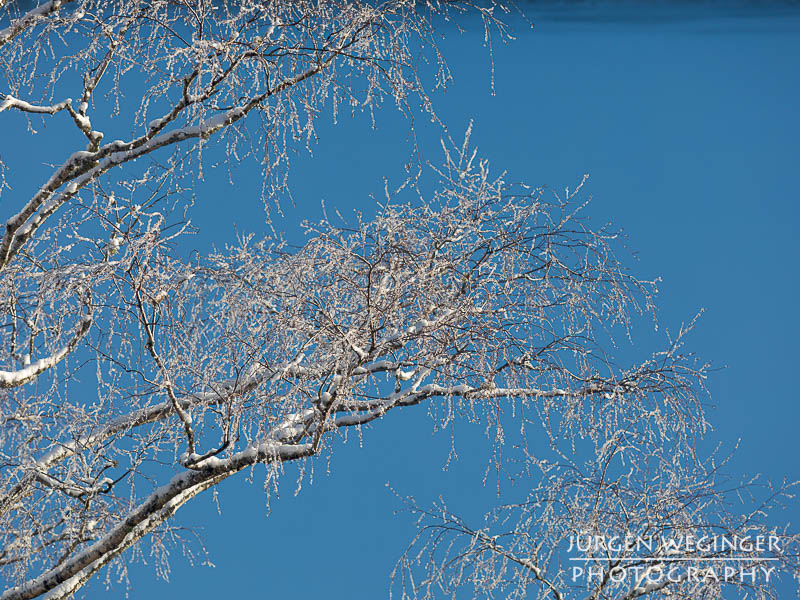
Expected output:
{"points": [[686, 119]]}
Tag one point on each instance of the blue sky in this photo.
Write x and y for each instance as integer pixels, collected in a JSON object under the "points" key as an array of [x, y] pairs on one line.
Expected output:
{"points": [[690, 133]]}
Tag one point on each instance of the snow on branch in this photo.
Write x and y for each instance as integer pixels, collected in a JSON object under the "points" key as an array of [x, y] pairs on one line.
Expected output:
{"points": [[8, 101], [84, 167], [29, 19], [11, 379], [220, 393], [63, 580]]}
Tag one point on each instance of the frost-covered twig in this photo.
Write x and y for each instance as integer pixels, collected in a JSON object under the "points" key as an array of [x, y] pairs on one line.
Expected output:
{"points": [[29, 19], [10, 379]]}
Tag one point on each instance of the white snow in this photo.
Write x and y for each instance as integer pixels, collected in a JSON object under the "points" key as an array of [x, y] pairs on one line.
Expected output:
{"points": [[39, 11], [404, 375], [16, 378]]}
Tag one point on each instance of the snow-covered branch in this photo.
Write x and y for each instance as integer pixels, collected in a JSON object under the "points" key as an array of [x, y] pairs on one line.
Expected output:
{"points": [[29, 19], [10, 379], [85, 167], [63, 580], [8, 101]]}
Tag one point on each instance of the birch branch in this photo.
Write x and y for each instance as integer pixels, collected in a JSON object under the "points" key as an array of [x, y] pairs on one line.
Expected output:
{"points": [[29, 19]]}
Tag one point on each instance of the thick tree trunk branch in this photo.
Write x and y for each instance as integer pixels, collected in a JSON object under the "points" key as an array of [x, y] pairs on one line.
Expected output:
{"points": [[64, 580]]}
